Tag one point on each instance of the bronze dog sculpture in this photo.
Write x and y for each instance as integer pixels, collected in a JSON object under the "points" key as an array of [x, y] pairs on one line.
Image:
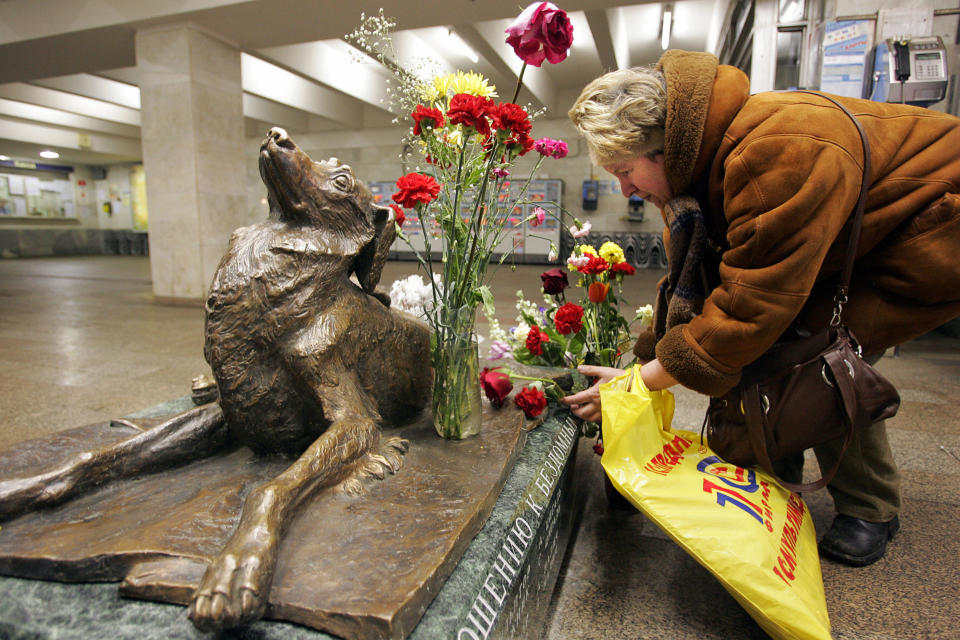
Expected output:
{"points": [[307, 363]]}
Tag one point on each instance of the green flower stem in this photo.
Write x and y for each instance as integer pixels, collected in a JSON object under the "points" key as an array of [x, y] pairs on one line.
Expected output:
{"points": [[475, 223], [429, 262], [550, 387], [516, 94]]}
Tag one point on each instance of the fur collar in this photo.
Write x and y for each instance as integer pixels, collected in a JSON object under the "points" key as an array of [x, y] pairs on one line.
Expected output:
{"points": [[702, 100], [689, 77]]}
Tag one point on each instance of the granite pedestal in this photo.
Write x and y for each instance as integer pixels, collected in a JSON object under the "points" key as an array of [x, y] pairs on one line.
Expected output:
{"points": [[500, 587]]}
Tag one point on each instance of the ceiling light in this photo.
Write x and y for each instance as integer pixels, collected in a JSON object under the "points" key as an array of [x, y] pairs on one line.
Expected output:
{"points": [[464, 48], [665, 29], [49, 154]]}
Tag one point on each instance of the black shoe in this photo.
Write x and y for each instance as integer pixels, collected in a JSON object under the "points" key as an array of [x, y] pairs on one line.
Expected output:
{"points": [[857, 542]]}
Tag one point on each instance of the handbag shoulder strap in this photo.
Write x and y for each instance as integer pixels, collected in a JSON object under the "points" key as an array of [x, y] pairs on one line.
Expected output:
{"points": [[843, 287]]}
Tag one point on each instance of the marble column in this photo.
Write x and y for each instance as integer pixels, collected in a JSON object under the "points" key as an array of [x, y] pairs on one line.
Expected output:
{"points": [[192, 133]]}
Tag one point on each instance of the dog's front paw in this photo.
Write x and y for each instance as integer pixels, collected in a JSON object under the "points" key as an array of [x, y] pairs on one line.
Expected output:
{"points": [[235, 588]]}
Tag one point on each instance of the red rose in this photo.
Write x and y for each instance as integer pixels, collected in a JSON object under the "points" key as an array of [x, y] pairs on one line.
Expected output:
{"points": [[496, 385], [568, 318], [595, 265], [597, 292], [510, 117], [541, 31], [398, 216], [623, 267], [535, 340], [470, 111], [554, 281], [414, 188], [423, 116], [531, 401]]}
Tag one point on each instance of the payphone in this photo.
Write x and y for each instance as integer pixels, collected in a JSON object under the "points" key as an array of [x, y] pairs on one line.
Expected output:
{"points": [[911, 71], [591, 193]]}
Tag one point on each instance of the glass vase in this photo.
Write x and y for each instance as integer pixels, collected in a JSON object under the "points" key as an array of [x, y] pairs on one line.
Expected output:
{"points": [[456, 368]]}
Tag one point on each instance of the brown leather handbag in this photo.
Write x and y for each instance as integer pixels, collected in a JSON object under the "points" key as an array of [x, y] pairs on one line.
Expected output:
{"points": [[807, 389]]}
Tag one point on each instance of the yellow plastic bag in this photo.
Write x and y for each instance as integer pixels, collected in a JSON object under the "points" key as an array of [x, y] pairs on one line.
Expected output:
{"points": [[756, 537]]}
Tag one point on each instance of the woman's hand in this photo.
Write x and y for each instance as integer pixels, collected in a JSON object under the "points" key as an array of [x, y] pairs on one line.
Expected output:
{"points": [[586, 404]]}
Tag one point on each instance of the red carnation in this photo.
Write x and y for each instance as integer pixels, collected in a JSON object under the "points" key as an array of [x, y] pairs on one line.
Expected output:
{"points": [[520, 144], [398, 216], [623, 267], [568, 318], [511, 117], [554, 281], [535, 340], [597, 292], [414, 188], [531, 401], [424, 116], [471, 111], [496, 385], [596, 264]]}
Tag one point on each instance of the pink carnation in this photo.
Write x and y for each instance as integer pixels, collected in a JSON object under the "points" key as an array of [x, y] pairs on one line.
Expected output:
{"points": [[552, 148], [539, 215]]}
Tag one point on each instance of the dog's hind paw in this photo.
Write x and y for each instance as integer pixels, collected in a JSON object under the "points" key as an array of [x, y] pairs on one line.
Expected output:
{"points": [[376, 465]]}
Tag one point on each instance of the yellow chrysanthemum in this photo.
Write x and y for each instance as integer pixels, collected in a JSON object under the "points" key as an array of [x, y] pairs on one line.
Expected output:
{"points": [[460, 82], [587, 249], [611, 252]]}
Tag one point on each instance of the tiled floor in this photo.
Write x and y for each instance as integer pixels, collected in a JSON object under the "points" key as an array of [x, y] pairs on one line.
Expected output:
{"points": [[81, 341]]}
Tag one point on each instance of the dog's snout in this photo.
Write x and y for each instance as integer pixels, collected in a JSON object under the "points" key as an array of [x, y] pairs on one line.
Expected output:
{"points": [[279, 137]]}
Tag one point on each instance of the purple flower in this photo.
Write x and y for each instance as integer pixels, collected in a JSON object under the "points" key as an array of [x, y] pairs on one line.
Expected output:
{"points": [[500, 172], [499, 349]]}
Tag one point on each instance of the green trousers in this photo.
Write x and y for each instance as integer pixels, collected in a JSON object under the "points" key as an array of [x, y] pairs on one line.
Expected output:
{"points": [[867, 484]]}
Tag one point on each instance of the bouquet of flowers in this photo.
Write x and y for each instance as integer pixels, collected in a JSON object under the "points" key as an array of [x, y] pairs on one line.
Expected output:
{"points": [[562, 333], [469, 143]]}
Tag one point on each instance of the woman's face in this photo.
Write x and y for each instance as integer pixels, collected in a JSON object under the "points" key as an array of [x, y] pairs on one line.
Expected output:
{"points": [[644, 177]]}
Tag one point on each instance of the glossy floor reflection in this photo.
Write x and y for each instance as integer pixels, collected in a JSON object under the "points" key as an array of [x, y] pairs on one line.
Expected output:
{"points": [[81, 340]]}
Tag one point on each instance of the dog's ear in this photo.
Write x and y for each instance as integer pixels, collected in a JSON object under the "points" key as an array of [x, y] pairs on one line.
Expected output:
{"points": [[369, 264]]}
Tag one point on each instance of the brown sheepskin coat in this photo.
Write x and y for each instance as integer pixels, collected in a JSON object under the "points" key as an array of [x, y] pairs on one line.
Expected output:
{"points": [[777, 176]]}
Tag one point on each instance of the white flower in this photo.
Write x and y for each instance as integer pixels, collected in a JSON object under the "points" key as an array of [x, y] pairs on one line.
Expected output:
{"points": [[583, 231], [520, 332], [645, 315], [497, 334], [552, 256], [412, 295]]}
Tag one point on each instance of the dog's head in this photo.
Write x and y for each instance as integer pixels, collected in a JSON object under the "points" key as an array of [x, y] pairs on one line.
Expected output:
{"points": [[328, 197]]}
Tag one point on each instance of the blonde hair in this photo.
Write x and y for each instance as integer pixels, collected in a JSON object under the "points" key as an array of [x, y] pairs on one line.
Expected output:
{"points": [[621, 114]]}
